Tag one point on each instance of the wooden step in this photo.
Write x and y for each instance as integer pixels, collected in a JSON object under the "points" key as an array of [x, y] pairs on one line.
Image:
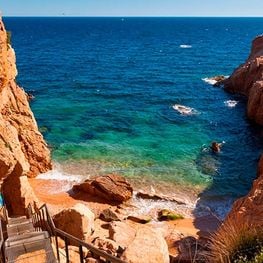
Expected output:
{"points": [[18, 220], [41, 246], [26, 238], [19, 229]]}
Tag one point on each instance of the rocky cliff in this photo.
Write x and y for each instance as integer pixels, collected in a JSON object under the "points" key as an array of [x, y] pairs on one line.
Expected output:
{"points": [[246, 216], [247, 79], [23, 151], [248, 210]]}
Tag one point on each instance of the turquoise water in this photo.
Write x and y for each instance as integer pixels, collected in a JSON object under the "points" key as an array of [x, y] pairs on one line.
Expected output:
{"points": [[104, 90]]}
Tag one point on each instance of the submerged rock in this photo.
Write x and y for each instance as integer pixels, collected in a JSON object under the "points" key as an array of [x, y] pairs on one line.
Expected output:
{"points": [[111, 187], [216, 147], [140, 219], [216, 81], [168, 215], [145, 195]]}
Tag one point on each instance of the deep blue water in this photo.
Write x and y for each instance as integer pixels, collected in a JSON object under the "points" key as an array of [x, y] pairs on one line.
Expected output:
{"points": [[105, 88]]}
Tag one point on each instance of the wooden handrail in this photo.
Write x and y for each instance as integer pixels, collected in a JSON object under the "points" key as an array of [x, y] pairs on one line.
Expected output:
{"points": [[38, 216]]}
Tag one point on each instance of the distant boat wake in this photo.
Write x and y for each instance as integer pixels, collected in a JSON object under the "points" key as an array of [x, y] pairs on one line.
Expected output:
{"points": [[185, 46]]}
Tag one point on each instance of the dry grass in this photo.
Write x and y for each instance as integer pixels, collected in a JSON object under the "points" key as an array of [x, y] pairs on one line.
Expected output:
{"points": [[236, 243]]}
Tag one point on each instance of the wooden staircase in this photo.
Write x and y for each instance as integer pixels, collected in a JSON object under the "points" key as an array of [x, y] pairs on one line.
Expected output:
{"points": [[23, 242], [35, 238]]}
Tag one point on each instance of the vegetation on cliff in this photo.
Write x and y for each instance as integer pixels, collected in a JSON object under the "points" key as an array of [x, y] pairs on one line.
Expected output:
{"points": [[237, 243]]}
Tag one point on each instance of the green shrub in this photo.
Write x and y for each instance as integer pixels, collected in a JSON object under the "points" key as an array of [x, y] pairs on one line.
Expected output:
{"points": [[8, 39], [251, 251]]}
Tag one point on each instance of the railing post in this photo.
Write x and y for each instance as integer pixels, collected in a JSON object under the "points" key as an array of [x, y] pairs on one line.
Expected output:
{"points": [[43, 220], [81, 257], [57, 248], [66, 248]]}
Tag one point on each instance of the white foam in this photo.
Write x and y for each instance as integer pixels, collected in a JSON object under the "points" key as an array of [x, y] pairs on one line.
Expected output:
{"points": [[147, 206], [184, 110], [231, 103], [59, 175], [185, 46], [212, 81], [209, 81]]}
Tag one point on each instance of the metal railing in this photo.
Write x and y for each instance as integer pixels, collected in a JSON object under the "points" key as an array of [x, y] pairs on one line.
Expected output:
{"points": [[43, 221]]}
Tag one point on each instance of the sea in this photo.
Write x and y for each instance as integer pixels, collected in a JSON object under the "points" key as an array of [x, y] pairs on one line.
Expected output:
{"points": [[108, 96]]}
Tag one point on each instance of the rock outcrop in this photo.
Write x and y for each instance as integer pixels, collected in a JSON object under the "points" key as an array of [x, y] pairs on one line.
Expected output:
{"points": [[20, 140], [247, 212], [247, 80], [78, 221], [249, 209], [122, 233], [17, 192], [107, 245], [111, 187], [148, 245]]}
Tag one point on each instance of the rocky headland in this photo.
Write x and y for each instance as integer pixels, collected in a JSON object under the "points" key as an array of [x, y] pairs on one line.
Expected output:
{"points": [[242, 228], [247, 80]]}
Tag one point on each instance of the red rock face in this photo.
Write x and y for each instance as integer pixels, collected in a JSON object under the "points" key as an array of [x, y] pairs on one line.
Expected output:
{"points": [[20, 140], [249, 209], [247, 79]]}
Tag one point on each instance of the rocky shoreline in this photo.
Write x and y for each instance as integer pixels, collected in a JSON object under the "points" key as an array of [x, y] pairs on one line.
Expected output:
{"points": [[99, 210]]}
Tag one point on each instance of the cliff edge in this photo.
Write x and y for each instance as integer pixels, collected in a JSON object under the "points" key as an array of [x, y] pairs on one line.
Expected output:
{"points": [[247, 80], [23, 151], [241, 230], [248, 210]]}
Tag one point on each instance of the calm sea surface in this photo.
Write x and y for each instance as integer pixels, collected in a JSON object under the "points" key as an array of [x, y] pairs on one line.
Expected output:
{"points": [[104, 90]]}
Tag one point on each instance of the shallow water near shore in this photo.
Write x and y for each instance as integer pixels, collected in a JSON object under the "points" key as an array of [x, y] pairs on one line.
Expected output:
{"points": [[104, 94]]}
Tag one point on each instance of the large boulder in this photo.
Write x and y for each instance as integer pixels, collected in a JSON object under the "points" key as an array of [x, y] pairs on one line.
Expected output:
{"points": [[121, 233], [148, 245], [111, 187], [247, 79], [77, 221]]}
